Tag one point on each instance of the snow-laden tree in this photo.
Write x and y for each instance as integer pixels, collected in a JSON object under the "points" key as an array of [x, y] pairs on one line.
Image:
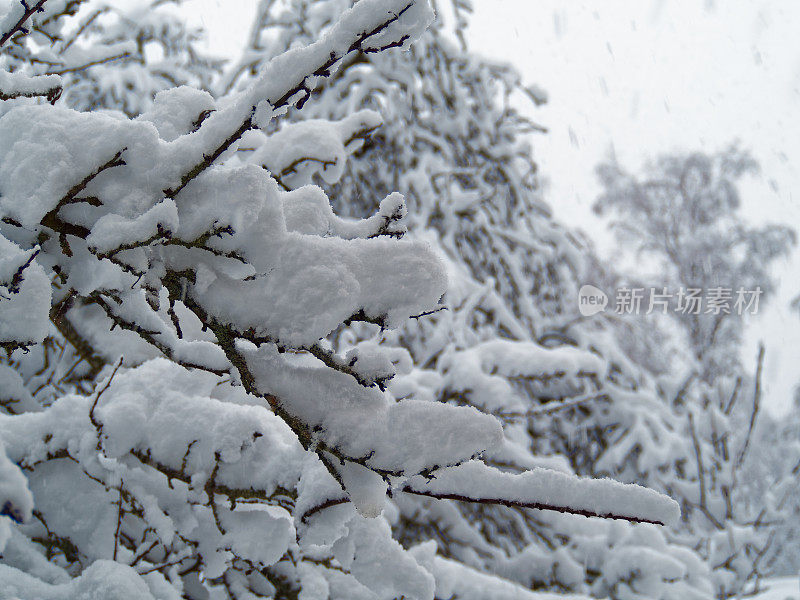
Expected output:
{"points": [[511, 341], [684, 214], [109, 55], [228, 446]]}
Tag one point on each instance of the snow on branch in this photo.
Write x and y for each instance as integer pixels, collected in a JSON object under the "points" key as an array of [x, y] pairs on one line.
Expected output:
{"points": [[16, 501], [24, 296], [546, 489], [287, 80], [491, 372], [236, 407], [20, 85], [360, 425], [540, 489], [298, 151]]}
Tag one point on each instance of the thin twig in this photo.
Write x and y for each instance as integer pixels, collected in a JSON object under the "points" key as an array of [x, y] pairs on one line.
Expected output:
{"points": [[701, 476], [756, 407], [100, 393], [552, 407], [119, 519], [534, 505]]}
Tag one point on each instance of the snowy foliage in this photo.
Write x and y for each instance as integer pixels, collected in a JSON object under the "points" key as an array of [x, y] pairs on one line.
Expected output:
{"points": [[210, 387], [100, 55]]}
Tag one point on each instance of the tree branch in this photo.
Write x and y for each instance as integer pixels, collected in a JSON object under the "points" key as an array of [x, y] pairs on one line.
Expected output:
{"points": [[51, 94], [294, 94], [491, 501], [533, 505], [18, 26], [58, 316]]}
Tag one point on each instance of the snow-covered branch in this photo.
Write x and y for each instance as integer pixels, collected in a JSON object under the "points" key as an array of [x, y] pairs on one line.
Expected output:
{"points": [[285, 81], [19, 85]]}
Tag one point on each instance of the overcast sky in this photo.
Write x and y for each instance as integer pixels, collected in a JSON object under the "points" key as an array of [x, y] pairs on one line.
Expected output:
{"points": [[647, 77]]}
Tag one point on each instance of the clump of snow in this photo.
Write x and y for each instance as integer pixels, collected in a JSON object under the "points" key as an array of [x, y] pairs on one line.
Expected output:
{"points": [[45, 151], [21, 84], [365, 488], [370, 362], [103, 578], [16, 500], [112, 231], [299, 151], [380, 563], [404, 437], [24, 295], [13, 393], [274, 527], [176, 111]]}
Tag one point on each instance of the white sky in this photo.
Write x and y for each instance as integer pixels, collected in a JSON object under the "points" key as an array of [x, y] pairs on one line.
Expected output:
{"points": [[647, 77]]}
